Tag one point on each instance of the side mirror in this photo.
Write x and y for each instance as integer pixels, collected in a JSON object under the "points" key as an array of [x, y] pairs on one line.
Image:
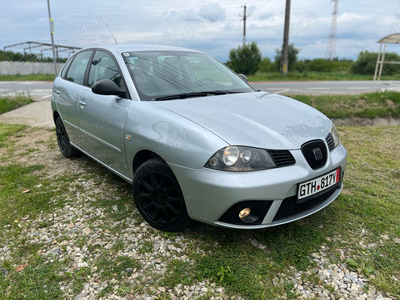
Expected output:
{"points": [[108, 87], [244, 77]]}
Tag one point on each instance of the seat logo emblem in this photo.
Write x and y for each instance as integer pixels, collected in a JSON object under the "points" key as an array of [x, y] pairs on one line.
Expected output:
{"points": [[317, 154]]}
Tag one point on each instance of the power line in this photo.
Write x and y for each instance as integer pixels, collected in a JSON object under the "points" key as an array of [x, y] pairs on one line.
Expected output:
{"points": [[331, 49]]}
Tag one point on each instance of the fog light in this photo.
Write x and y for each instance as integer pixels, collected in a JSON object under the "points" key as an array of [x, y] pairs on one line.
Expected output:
{"points": [[245, 213]]}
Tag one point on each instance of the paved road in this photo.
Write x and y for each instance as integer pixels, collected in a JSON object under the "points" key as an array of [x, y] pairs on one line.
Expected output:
{"points": [[41, 90], [325, 87], [38, 90]]}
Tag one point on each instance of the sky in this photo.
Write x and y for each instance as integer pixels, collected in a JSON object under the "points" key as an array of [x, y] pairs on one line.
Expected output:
{"points": [[212, 27]]}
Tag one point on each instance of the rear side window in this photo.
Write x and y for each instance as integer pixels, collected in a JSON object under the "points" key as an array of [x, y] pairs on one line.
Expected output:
{"points": [[104, 67], [76, 72], [65, 69]]}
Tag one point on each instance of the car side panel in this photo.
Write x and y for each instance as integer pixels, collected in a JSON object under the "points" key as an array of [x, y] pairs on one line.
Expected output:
{"points": [[176, 139], [102, 121], [66, 95]]}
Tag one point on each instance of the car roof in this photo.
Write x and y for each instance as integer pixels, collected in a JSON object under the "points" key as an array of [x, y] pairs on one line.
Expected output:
{"points": [[118, 49]]}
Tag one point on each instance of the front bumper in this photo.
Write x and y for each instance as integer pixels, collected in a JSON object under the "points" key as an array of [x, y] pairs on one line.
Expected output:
{"points": [[209, 193]]}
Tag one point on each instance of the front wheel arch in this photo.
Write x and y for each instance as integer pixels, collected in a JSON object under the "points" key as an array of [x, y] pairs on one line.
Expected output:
{"points": [[158, 196]]}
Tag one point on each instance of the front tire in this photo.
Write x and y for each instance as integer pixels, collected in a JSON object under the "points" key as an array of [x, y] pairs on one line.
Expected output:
{"points": [[158, 196], [64, 144]]}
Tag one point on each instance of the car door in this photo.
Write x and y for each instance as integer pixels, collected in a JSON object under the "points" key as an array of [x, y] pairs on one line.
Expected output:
{"points": [[102, 118], [67, 90]]}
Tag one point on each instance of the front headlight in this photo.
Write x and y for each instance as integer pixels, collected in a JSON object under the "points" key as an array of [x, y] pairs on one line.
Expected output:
{"points": [[240, 159], [335, 135]]}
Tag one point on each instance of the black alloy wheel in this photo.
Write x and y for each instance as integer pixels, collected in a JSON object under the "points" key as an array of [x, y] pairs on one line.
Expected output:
{"points": [[158, 196]]}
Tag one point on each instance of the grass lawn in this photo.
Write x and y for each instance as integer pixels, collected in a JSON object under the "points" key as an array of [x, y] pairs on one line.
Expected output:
{"points": [[7, 103], [315, 76], [359, 230], [35, 77], [370, 105]]}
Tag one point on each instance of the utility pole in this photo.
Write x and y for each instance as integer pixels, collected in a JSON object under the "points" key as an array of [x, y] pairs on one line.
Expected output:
{"points": [[285, 46], [51, 23], [331, 49], [244, 24]]}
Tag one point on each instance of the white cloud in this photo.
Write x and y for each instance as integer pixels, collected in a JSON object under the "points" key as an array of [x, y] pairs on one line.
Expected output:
{"points": [[213, 27]]}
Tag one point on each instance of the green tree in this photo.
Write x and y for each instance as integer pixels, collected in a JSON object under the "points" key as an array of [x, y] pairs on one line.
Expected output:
{"points": [[265, 65], [17, 56], [293, 52], [366, 63], [245, 59]]}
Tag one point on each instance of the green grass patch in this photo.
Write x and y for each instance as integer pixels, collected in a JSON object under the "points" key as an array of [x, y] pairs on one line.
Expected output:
{"points": [[39, 280], [314, 76], [35, 77], [370, 105], [8, 104], [116, 268], [14, 204], [7, 130], [178, 272]]}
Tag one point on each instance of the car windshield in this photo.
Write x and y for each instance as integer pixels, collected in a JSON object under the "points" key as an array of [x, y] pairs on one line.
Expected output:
{"points": [[178, 75]]}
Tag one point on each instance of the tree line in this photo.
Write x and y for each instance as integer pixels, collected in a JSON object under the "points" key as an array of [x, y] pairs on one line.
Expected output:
{"points": [[248, 60], [27, 57]]}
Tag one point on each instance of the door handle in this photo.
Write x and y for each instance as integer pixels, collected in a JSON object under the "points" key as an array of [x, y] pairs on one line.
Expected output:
{"points": [[58, 92], [82, 104]]}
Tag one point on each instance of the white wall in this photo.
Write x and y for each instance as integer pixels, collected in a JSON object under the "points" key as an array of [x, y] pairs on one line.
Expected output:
{"points": [[26, 68]]}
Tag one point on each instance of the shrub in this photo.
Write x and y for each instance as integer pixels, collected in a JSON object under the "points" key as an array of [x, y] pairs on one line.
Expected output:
{"points": [[366, 63], [245, 59]]}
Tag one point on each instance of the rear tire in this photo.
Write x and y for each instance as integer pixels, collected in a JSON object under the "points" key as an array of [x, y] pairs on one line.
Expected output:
{"points": [[158, 196], [64, 144]]}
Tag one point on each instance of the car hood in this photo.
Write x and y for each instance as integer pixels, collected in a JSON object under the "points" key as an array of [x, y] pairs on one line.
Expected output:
{"points": [[258, 119]]}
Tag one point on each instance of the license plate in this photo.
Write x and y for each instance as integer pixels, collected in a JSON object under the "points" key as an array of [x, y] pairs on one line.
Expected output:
{"points": [[318, 184]]}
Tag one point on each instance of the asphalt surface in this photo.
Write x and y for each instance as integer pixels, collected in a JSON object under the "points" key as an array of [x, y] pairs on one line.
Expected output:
{"points": [[324, 87], [41, 90], [38, 90]]}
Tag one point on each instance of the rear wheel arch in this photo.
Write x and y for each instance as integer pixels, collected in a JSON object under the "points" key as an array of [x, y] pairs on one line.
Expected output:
{"points": [[63, 141], [56, 115]]}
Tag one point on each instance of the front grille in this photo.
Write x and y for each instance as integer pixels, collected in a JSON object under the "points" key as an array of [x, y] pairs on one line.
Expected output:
{"points": [[282, 158], [311, 151], [290, 207], [330, 141], [231, 216]]}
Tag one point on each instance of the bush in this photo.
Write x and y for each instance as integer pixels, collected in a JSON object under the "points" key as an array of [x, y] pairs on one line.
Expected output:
{"points": [[302, 67], [245, 59], [293, 51], [323, 65], [366, 63], [265, 65]]}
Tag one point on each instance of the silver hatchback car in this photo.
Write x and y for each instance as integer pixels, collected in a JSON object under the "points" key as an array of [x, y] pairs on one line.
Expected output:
{"points": [[195, 139]]}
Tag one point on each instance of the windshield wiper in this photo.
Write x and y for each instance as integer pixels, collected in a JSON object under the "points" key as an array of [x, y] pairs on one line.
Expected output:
{"points": [[190, 95]]}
